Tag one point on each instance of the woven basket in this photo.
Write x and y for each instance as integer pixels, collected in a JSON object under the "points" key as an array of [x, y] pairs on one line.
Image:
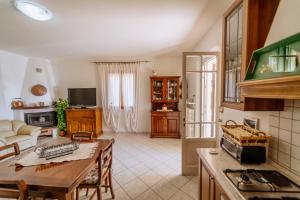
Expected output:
{"points": [[245, 135]]}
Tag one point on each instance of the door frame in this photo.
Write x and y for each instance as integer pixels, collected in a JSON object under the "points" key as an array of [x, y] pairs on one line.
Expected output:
{"points": [[189, 161]]}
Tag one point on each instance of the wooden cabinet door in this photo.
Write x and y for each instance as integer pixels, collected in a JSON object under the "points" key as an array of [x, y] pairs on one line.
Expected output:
{"points": [[219, 194], [205, 184], [172, 125], [73, 126], [87, 125], [211, 188], [158, 125]]}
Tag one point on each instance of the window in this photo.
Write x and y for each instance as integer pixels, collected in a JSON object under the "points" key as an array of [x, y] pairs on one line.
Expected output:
{"points": [[121, 91]]}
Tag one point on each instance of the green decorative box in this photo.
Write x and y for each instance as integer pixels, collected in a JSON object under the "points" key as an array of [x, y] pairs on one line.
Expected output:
{"points": [[279, 59]]}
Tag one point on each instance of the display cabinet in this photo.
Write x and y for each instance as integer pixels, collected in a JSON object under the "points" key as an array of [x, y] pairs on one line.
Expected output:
{"points": [[246, 25], [165, 116]]}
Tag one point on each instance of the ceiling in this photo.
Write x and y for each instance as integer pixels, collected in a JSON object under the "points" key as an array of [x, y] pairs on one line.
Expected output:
{"points": [[105, 28]]}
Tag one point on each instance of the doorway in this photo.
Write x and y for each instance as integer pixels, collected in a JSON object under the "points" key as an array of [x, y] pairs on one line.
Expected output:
{"points": [[200, 80]]}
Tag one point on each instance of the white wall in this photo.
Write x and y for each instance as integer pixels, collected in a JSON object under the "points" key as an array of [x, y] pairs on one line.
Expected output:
{"points": [[83, 73], [285, 23], [17, 76]]}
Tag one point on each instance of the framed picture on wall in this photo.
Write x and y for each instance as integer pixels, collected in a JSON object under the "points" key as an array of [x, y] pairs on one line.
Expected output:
{"points": [[251, 122]]}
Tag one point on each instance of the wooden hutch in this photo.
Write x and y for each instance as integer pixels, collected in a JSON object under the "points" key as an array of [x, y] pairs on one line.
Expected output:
{"points": [[165, 93]]}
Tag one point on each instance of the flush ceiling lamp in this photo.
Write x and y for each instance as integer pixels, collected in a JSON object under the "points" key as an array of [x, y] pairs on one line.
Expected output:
{"points": [[33, 10]]}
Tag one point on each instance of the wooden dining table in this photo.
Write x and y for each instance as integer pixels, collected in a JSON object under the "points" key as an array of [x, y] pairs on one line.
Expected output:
{"points": [[55, 180]]}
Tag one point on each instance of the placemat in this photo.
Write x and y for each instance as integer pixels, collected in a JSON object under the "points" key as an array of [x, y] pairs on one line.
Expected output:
{"points": [[85, 151]]}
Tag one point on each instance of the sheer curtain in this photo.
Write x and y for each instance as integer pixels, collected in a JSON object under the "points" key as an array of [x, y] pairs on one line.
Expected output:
{"points": [[119, 93]]}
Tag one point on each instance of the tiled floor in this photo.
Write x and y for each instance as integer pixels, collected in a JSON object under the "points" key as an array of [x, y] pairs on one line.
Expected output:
{"points": [[148, 169]]}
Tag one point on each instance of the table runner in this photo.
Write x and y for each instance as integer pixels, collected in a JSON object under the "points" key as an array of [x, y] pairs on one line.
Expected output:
{"points": [[85, 151]]}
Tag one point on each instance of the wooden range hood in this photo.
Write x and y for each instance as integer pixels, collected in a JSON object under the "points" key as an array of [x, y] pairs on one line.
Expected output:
{"points": [[275, 88], [274, 71]]}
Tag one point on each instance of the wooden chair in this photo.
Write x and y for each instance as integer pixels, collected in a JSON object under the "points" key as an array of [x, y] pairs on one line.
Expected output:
{"points": [[14, 190], [10, 154], [82, 136], [101, 175]]}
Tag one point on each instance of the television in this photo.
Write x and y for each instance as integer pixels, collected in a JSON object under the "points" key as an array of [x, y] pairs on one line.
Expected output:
{"points": [[82, 97]]}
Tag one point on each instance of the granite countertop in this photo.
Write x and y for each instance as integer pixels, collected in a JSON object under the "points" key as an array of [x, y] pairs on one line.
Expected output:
{"points": [[216, 163]]}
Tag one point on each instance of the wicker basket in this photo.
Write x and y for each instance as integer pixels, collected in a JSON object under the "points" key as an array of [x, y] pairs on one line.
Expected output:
{"points": [[245, 135]]}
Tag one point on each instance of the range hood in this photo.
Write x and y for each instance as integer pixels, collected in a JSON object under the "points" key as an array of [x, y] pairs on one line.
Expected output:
{"points": [[274, 71]]}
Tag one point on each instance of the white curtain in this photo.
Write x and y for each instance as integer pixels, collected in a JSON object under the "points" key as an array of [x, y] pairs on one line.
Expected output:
{"points": [[119, 93]]}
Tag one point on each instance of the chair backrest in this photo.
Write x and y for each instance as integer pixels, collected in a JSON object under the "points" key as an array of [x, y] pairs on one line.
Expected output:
{"points": [[105, 161], [82, 136], [5, 149], [14, 189]]}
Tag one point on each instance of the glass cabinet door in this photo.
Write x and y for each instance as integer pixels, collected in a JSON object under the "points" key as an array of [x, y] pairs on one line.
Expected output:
{"points": [[157, 94], [233, 55], [172, 90]]}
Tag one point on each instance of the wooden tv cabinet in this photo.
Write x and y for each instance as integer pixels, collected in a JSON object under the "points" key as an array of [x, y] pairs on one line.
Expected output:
{"points": [[84, 120]]}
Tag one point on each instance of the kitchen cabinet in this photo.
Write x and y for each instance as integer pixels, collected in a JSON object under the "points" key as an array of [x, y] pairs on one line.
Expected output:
{"points": [[246, 25], [165, 116], [209, 188]]}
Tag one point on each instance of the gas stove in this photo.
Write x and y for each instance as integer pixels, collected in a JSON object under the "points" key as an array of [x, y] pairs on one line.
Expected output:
{"points": [[252, 180]]}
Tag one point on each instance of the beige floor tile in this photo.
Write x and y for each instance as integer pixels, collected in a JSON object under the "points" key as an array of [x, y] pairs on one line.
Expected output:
{"points": [[117, 168], [121, 195], [139, 169], [180, 196], [191, 188], [150, 178], [135, 187], [148, 195], [178, 180], [164, 189], [196, 179], [124, 177]]}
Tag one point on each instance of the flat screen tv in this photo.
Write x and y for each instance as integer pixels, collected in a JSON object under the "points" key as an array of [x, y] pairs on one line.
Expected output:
{"points": [[82, 97]]}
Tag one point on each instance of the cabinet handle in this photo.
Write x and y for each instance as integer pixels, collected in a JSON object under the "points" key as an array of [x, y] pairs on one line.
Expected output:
{"points": [[212, 178]]}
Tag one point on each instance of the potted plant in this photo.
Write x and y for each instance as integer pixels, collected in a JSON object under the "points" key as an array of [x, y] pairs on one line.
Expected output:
{"points": [[61, 105]]}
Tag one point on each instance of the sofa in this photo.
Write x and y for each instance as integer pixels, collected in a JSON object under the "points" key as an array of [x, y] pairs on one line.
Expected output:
{"points": [[15, 131]]}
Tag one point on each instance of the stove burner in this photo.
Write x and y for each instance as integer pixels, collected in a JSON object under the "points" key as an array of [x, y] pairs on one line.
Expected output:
{"points": [[251, 180], [255, 175], [276, 178], [244, 179]]}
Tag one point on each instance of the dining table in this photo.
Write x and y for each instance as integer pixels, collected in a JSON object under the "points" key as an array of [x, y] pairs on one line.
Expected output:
{"points": [[53, 180]]}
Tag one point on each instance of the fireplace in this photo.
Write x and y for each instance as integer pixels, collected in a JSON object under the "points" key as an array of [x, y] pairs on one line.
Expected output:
{"points": [[41, 119], [37, 116]]}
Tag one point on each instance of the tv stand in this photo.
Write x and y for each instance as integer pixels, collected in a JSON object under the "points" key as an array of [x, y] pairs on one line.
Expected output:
{"points": [[84, 120]]}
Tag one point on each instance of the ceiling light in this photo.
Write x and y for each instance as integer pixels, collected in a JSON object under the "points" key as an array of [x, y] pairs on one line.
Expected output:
{"points": [[33, 10]]}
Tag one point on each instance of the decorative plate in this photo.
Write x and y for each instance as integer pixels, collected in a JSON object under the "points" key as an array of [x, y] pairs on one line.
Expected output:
{"points": [[38, 90]]}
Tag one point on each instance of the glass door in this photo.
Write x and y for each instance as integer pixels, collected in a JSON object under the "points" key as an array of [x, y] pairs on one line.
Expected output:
{"points": [[200, 115], [172, 90], [157, 90]]}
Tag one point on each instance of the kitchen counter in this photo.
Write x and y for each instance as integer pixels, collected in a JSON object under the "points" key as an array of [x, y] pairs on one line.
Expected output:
{"points": [[216, 163]]}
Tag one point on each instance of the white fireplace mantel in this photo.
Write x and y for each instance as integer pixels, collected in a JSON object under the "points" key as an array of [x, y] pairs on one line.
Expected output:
{"points": [[20, 113]]}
